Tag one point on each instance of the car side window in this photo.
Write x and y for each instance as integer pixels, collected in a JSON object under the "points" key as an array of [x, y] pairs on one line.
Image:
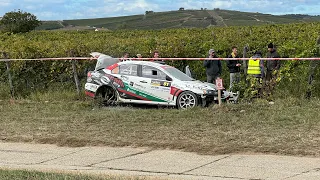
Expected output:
{"points": [[153, 73], [128, 69]]}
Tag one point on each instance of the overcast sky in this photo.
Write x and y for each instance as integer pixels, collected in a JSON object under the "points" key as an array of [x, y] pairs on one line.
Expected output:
{"points": [[80, 9]]}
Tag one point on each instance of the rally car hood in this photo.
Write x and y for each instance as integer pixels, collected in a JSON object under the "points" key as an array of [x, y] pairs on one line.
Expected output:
{"points": [[199, 85], [207, 88]]}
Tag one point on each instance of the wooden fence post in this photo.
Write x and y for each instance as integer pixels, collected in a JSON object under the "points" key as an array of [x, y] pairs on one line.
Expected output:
{"points": [[245, 63], [75, 74], [5, 55]]}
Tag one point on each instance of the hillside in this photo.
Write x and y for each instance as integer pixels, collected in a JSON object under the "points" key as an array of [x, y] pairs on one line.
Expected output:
{"points": [[179, 19]]}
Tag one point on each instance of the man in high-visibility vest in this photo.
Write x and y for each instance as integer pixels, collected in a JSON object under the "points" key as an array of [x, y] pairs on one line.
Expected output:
{"points": [[256, 69], [255, 65]]}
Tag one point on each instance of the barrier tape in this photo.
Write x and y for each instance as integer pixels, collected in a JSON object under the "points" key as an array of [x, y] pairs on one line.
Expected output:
{"points": [[152, 59], [202, 59], [51, 59]]}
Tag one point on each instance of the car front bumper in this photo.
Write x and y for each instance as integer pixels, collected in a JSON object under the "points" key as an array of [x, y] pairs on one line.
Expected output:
{"points": [[225, 96]]}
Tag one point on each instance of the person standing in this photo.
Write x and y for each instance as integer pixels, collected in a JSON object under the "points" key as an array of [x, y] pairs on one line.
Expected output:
{"points": [[234, 67], [256, 66], [213, 67], [256, 73], [272, 65], [156, 56], [125, 57]]}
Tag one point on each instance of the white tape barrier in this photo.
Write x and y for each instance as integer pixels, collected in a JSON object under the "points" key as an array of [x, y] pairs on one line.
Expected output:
{"points": [[156, 59], [222, 59], [51, 59]]}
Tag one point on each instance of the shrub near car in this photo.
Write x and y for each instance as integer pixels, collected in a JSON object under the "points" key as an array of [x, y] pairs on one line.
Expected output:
{"points": [[147, 82]]}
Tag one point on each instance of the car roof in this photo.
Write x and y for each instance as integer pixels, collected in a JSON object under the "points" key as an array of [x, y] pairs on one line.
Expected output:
{"points": [[148, 63]]}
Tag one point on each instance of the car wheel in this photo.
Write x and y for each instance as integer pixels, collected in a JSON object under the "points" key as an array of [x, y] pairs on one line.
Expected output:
{"points": [[106, 96], [187, 100]]}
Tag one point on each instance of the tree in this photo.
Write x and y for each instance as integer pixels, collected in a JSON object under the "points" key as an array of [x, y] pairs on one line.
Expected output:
{"points": [[149, 12], [19, 21]]}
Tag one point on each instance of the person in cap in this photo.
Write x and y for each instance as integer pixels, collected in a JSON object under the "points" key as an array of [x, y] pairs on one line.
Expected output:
{"points": [[272, 65], [139, 56], [213, 67]]}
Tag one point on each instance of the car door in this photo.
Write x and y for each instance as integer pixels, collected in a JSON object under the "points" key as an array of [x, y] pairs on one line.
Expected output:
{"points": [[156, 84], [128, 73], [135, 87]]}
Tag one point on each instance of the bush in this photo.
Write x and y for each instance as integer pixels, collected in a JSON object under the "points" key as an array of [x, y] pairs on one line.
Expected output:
{"points": [[292, 40]]}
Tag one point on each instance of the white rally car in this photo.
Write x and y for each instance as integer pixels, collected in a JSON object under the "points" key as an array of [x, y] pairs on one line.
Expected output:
{"points": [[148, 82]]}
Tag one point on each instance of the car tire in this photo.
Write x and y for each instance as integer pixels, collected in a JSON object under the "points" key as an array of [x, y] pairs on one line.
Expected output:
{"points": [[106, 96], [187, 100]]}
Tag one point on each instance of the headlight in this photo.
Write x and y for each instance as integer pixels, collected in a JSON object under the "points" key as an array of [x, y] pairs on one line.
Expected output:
{"points": [[208, 91]]}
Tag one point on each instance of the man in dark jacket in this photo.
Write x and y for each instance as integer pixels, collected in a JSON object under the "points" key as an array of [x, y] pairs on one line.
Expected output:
{"points": [[272, 65], [213, 67], [234, 67]]}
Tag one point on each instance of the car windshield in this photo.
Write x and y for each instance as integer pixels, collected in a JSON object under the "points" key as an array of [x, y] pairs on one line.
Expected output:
{"points": [[178, 74]]}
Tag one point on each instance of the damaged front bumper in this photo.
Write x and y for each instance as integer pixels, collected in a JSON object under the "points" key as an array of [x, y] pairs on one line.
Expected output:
{"points": [[225, 96], [231, 96]]}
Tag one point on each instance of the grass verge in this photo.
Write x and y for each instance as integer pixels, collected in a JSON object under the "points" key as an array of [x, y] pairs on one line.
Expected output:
{"points": [[288, 127], [37, 175]]}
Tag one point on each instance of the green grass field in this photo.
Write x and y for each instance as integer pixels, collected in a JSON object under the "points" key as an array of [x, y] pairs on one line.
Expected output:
{"points": [[180, 19], [289, 127], [50, 25]]}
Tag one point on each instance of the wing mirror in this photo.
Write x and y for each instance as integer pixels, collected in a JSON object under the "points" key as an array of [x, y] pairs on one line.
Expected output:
{"points": [[168, 78]]}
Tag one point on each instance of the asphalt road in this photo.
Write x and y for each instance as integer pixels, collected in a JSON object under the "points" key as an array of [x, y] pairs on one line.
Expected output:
{"points": [[164, 164]]}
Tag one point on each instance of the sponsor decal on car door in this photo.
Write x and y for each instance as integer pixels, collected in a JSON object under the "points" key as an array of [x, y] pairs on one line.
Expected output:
{"points": [[159, 86], [139, 88]]}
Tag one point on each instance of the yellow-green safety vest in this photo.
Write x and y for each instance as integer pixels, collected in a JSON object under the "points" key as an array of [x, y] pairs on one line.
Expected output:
{"points": [[254, 66]]}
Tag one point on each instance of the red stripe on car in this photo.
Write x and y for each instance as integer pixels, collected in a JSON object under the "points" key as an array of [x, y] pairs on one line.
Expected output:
{"points": [[175, 91], [90, 94], [179, 91], [112, 67]]}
